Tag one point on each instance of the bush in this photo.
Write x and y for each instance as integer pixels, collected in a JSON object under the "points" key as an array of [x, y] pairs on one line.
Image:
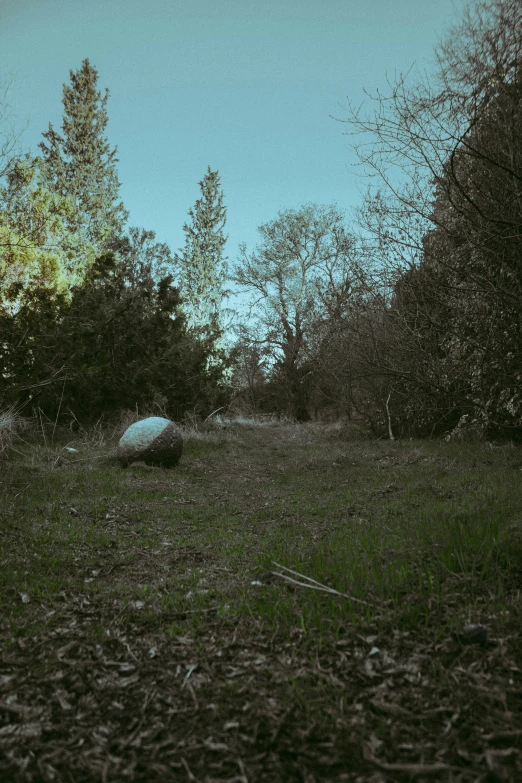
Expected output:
{"points": [[120, 342]]}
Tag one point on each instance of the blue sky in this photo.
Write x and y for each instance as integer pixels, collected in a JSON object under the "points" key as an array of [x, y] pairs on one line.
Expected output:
{"points": [[245, 86]]}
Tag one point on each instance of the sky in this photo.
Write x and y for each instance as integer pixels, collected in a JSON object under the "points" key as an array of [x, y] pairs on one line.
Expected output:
{"points": [[252, 88]]}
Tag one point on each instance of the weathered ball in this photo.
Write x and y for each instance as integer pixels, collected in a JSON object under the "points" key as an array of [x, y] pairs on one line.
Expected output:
{"points": [[155, 441]]}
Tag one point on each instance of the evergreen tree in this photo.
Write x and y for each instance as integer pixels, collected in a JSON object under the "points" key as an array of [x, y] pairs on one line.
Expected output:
{"points": [[118, 342], [80, 163], [202, 263], [38, 251]]}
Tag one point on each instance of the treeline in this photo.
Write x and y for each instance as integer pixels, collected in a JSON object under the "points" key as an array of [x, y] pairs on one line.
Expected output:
{"points": [[409, 315], [413, 318], [92, 320]]}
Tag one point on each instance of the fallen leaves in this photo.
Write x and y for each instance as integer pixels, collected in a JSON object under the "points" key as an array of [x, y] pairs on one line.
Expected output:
{"points": [[20, 730], [103, 707], [112, 679]]}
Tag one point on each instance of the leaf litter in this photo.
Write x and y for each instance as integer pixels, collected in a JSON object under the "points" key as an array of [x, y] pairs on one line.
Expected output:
{"points": [[103, 689]]}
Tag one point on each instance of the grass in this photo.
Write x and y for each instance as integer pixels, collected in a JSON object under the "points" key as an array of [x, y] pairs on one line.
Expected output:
{"points": [[148, 634]]}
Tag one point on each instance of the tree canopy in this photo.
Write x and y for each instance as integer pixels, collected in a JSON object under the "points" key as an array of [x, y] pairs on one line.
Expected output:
{"points": [[80, 164], [201, 263], [302, 278]]}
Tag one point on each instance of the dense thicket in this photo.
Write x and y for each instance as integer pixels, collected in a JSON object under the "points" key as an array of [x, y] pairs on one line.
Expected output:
{"points": [[419, 327], [441, 342], [120, 342], [91, 320]]}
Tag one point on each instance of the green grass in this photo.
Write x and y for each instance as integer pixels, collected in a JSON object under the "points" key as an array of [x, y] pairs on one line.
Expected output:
{"points": [[427, 534]]}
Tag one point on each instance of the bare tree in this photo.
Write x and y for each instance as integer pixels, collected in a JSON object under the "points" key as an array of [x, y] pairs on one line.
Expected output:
{"points": [[301, 277], [250, 372], [445, 223], [10, 136]]}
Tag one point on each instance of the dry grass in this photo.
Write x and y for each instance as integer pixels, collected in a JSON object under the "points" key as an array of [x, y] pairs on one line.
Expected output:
{"points": [[11, 425]]}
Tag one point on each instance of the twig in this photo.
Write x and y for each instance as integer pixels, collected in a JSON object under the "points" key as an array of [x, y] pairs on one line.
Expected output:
{"points": [[412, 770], [190, 670], [88, 459], [68, 462], [313, 584], [321, 589], [42, 426], [244, 778], [214, 412], [191, 776], [59, 407], [390, 431]]}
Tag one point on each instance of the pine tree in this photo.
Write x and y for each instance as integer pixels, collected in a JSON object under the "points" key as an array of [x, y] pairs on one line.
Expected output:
{"points": [[80, 163], [202, 263], [38, 251]]}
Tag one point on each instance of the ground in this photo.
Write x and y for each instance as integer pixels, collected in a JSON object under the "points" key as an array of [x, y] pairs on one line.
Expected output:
{"points": [[147, 634]]}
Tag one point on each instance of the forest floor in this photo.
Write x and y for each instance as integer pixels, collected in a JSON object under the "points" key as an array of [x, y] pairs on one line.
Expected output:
{"points": [[148, 632]]}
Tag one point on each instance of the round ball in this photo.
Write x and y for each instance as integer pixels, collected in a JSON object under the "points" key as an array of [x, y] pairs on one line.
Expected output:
{"points": [[155, 441]]}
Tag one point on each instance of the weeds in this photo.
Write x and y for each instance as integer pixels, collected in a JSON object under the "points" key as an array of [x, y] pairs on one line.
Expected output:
{"points": [[11, 425]]}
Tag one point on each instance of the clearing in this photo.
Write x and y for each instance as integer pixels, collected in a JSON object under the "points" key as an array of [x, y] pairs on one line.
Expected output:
{"points": [[145, 637]]}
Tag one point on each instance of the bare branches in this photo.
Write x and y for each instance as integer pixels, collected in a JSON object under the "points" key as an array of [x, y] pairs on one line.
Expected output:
{"points": [[444, 226], [303, 275], [10, 136]]}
